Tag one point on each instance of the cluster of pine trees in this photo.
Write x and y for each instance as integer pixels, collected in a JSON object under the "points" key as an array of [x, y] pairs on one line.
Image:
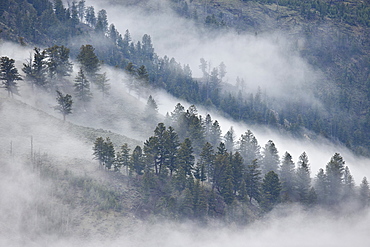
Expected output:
{"points": [[191, 171]]}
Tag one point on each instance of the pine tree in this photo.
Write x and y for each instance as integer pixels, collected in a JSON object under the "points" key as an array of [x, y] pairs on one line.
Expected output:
{"points": [[99, 150], [36, 69], [364, 192], [249, 148], [82, 87], [101, 26], [109, 154], [122, 158], [64, 104], [185, 157], [237, 167], [271, 188], [270, 159], [334, 173], [137, 161], [349, 184], [253, 181], [321, 186], [303, 178], [287, 178], [102, 83], [207, 159], [90, 16], [9, 75], [88, 60], [229, 139], [58, 63]]}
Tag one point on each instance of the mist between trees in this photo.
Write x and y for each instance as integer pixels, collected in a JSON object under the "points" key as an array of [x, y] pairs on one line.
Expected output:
{"points": [[191, 171]]}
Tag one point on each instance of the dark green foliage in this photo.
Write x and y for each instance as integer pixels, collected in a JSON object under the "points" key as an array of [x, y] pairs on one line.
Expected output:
{"points": [[104, 152], [122, 158], [288, 178], [88, 60], [9, 75], [303, 178], [253, 181], [334, 175], [58, 63], [64, 104], [271, 188], [82, 87], [137, 161], [36, 70]]}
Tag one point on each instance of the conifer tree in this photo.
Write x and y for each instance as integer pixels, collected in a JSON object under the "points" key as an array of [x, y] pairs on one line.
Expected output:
{"points": [[64, 104], [334, 173], [88, 60], [58, 63], [82, 87], [102, 83], [270, 159], [36, 69], [287, 178], [137, 161], [321, 186], [303, 178], [253, 181], [229, 139], [185, 157], [364, 192], [271, 188], [123, 158], [248, 147], [207, 159], [9, 75], [215, 138]]}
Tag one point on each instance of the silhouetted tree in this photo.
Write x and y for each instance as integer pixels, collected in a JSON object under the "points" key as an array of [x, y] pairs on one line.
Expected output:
{"points": [[64, 104], [9, 75]]}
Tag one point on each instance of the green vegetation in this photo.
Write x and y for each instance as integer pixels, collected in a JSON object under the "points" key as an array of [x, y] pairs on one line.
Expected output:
{"points": [[177, 182]]}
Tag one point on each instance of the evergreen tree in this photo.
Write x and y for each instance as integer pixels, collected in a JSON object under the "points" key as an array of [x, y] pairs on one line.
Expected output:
{"points": [[207, 159], [123, 158], [237, 167], [172, 144], [364, 192], [321, 186], [303, 178], [102, 83], [185, 157], [334, 174], [9, 75], [99, 150], [36, 69], [271, 188], [270, 159], [64, 104], [109, 154], [287, 178], [229, 139], [349, 184], [249, 148], [137, 161], [101, 26], [88, 60], [58, 62], [82, 87], [253, 181], [215, 138], [90, 16]]}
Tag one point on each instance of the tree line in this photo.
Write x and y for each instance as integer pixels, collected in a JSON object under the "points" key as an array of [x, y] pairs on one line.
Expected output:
{"points": [[191, 170]]}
